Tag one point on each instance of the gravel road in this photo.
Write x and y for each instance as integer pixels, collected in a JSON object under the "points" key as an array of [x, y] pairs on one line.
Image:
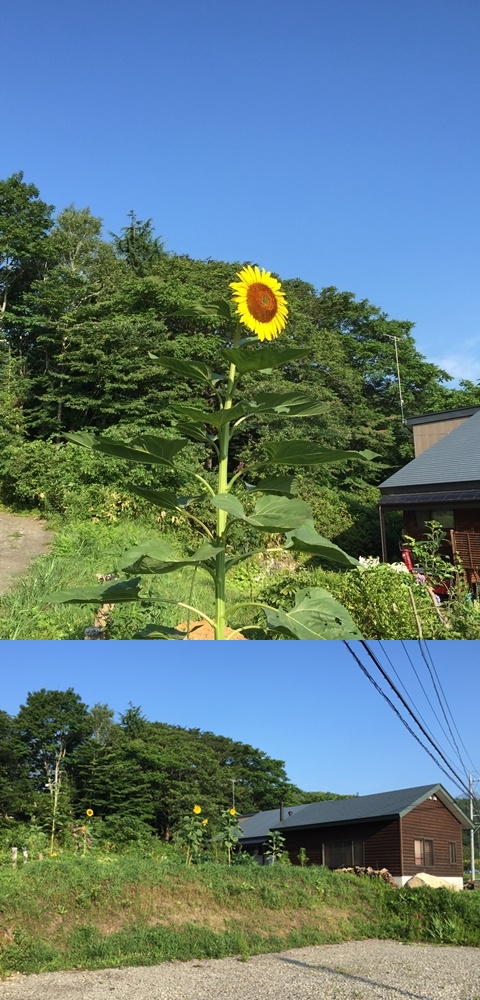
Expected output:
{"points": [[356, 970], [21, 540]]}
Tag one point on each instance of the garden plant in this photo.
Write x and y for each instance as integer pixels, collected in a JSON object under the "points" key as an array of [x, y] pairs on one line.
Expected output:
{"points": [[252, 320]]}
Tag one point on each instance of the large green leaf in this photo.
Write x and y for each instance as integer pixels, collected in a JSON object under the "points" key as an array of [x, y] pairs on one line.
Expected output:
{"points": [[165, 499], [195, 370], [306, 539], [157, 556], [114, 593], [146, 448], [213, 418], [283, 485], [272, 513], [287, 404], [194, 431], [316, 615], [159, 632], [309, 453], [259, 359]]}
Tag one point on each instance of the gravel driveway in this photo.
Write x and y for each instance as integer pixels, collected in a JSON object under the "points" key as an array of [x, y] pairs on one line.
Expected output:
{"points": [[356, 970], [22, 539]]}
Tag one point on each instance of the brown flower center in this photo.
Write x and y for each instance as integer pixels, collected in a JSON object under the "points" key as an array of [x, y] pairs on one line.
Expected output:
{"points": [[261, 302]]}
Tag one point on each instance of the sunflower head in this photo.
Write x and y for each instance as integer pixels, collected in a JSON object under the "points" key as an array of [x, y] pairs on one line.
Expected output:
{"points": [[233, 812], [197, 810], [89, 812], [204, 822], [260, 302]]}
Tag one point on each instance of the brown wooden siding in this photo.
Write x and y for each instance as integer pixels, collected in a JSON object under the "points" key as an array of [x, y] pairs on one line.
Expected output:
{"points": [[424, 435], [432, 821], [381, 842]]}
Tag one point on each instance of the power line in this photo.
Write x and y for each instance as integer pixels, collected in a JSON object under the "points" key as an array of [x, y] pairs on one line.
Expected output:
{"points": [[427, 650], [400, 716], [428, 700], [409, 710], [417, 710]]}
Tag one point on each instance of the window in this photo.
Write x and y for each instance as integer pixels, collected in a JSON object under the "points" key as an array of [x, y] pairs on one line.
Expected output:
{"points": [[452, 852], [423, 853], [343, 853]]}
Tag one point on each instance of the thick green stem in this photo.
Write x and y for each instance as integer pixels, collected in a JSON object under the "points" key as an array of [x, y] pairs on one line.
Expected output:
{"points": [[222, 487]]}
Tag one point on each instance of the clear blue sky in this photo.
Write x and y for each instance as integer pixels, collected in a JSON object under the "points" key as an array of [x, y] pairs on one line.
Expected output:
{"points": [[308, 705], [333, 140]]}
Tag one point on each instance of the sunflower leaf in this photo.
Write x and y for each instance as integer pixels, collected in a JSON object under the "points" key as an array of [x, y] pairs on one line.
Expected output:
{"points": [[316, 615], [259, 359], [305, 538], [165, 499], [195, 370], [308, 453], [271, 514], [146, 448], [157, 556], [115, 593], [159, 632], [283, 485]]}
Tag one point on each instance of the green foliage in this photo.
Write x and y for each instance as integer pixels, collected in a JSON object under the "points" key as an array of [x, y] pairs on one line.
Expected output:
{"points": [[275, 848], [57, 910]]}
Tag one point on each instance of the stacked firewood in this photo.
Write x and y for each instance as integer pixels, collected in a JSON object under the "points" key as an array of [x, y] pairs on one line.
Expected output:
{"points": [[382, 873]]}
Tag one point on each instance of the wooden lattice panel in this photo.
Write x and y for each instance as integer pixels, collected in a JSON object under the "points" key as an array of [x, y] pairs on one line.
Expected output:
{"points": [[466, 546]]}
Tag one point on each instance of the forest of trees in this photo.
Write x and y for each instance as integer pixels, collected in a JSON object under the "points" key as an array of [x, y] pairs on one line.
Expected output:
{"points": [[59, 756], [79, 314]]}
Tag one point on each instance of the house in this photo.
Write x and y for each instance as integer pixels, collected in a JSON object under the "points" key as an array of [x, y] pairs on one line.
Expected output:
{"points": [[442, 483], [407, 831]]}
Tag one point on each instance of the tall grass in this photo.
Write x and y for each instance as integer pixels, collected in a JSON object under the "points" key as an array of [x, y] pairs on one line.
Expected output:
{"points": [[80, 551], [91, 913]]}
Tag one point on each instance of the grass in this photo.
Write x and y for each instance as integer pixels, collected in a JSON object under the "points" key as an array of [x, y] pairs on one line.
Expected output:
{"points": [[80, 551], [92, 913]]}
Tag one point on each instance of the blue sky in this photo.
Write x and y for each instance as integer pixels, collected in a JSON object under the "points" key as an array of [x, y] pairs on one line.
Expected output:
{"points": [[333, 141], [311, 706]]}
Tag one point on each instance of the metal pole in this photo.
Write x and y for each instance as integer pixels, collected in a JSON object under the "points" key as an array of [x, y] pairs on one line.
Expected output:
{"points": [[399, 382], [472, 832]]}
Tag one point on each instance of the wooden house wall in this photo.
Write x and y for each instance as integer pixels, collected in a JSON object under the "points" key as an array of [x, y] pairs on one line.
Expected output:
{"points": [[424, 435], [432, 821], [381, 842]]}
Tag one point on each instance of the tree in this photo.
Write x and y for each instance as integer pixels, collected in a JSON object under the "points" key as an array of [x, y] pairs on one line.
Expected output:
{"points": [[138, 247], [25, 221], [51, 725]]}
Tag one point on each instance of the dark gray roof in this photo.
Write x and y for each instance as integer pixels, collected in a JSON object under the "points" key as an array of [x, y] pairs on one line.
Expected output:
{"points": [[435, 418], [257, 827], [360, 808], [453, 459]]}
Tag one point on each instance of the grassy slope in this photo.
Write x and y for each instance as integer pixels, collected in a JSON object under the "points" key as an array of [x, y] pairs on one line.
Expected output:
{"points": [[80, 551], [94, 913]]}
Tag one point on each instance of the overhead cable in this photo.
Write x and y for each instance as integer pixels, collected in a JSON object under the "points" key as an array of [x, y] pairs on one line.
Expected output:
{"points": [[457, 779]]}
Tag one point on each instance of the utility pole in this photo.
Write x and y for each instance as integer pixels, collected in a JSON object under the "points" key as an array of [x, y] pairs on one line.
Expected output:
{"points": [[233, 792], [472, 832]]}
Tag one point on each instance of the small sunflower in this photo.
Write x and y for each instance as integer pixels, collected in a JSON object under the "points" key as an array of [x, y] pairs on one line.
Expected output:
{"points": [[260, 302], [233, 812], [89, 812], [204, 822], [197, 810]]}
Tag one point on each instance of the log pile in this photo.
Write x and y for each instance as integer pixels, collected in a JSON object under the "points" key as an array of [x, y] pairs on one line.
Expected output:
{"points": [[382, 873]]}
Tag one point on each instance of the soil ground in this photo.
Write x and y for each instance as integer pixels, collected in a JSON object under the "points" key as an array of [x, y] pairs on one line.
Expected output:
{"points": [[22, 539]]}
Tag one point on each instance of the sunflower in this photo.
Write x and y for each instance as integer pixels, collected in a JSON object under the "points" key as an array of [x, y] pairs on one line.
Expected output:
{"points": [[197, 810], [89, 812], [204, 822], [233, 812], [261, 304]]}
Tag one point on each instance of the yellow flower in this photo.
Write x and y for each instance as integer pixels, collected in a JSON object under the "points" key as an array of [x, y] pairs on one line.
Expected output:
{"points": [[204, 822], [197, 810], [261, 305], [54, 855], [89, 812], [233, 812]]}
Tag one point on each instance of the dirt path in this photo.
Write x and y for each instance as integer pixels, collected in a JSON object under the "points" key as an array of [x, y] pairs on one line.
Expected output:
{"points": [[21, 540]]}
